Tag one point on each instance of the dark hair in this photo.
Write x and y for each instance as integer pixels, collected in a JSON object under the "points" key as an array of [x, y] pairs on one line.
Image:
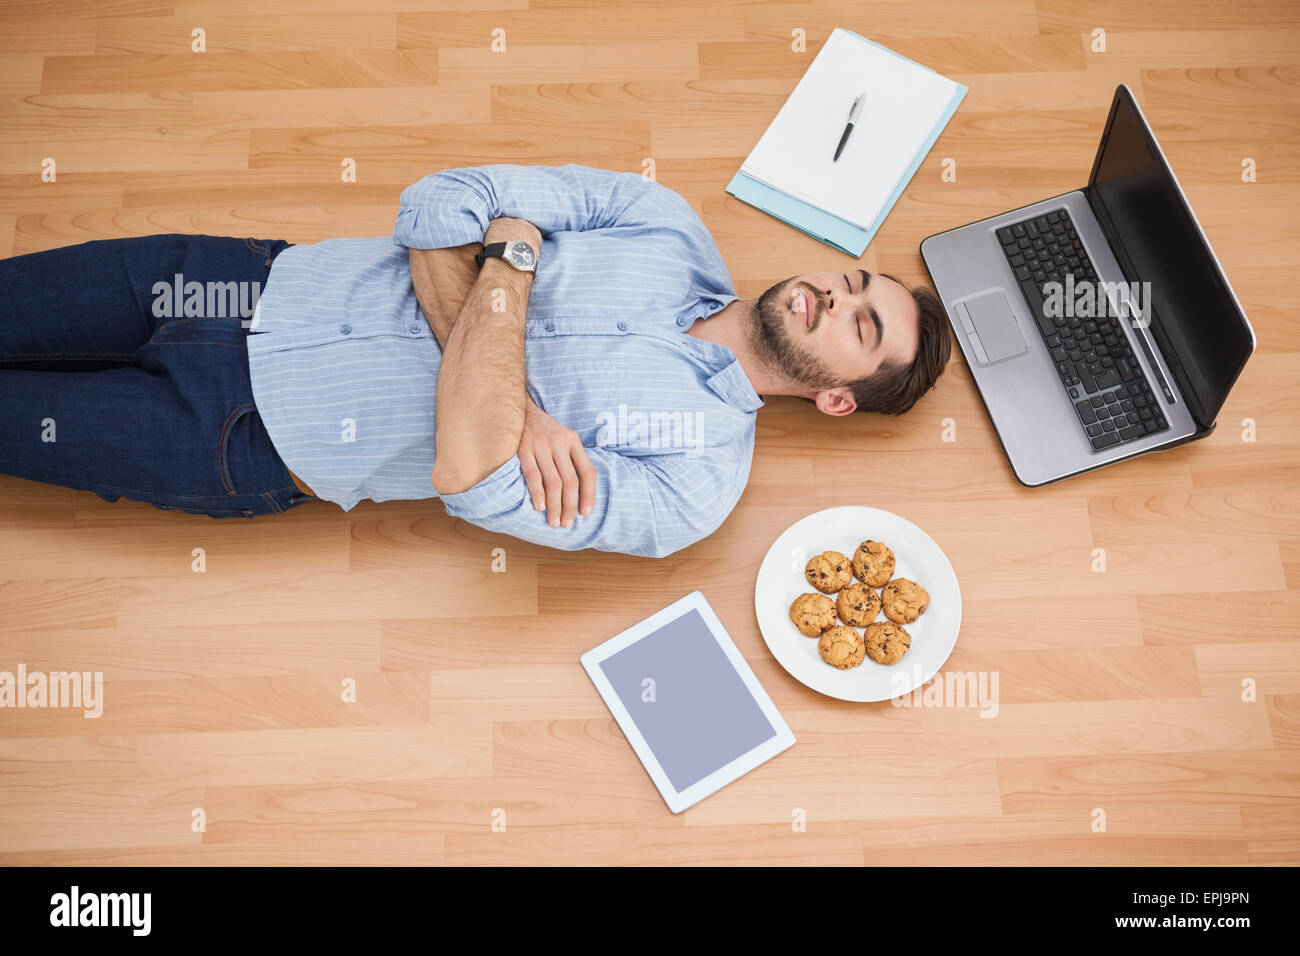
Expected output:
{"points": [[893, 388]]}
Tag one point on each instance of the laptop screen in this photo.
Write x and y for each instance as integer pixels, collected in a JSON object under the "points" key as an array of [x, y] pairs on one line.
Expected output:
{"points": [[1196, 322]]}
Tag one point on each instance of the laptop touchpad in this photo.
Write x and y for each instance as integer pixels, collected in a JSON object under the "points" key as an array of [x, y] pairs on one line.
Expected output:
{"points": [[993, 326]]}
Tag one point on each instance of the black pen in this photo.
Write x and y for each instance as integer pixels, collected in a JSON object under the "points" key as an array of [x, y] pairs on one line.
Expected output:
{"points": [[854, 110]]}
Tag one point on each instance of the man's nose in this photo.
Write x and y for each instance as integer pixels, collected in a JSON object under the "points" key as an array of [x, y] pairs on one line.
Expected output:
{"points": [[835, 300]]}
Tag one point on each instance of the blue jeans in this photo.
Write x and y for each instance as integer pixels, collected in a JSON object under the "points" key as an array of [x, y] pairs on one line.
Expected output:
{"points": [[110, 382]]}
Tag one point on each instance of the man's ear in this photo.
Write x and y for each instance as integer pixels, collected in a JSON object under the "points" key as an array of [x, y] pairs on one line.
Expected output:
{"points": [[836, 401]]}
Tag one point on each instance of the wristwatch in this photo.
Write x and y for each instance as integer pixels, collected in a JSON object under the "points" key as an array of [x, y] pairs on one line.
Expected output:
{"points": [[518, 253]]}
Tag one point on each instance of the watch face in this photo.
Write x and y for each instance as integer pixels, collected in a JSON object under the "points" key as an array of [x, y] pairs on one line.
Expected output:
{"points": [[521, 255]]}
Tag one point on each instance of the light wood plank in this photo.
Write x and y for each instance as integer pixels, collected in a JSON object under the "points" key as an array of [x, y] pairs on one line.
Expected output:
{"points": [[363, 687]]}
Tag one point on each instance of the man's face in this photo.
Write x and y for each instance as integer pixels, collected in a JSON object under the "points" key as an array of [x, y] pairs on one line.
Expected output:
{"points": [[823, 329]]}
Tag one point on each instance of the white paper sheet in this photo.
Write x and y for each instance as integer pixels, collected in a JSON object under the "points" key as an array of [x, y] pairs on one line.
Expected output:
{"points": [[904, 103]]}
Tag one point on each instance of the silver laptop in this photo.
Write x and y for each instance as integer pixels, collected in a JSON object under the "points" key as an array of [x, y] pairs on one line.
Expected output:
{"points": [[1098, 325]]}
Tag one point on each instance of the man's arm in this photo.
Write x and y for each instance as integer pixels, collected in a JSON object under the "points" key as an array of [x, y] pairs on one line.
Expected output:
{"points": [[454, 206], [444, 216], [442, 280], [652, 505], [481, 383], [559, 472]]}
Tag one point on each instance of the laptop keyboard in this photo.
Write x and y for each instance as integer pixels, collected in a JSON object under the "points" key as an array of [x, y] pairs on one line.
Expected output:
{"points": [[1093, 356]]}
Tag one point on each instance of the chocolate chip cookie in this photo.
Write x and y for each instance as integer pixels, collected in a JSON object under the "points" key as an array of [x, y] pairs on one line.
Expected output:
{"points": [[858, 605], [842, 647], [828, 571], [886, 642], [904, 600], [813, 614], [873, 563]]}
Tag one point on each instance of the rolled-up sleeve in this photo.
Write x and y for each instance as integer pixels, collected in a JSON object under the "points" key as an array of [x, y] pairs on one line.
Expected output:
{"points": [[454, 206], [650, 506]]}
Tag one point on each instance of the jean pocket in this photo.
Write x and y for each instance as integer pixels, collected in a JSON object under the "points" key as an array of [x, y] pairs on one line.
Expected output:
{"points": [[267, 248], [246, 460]]}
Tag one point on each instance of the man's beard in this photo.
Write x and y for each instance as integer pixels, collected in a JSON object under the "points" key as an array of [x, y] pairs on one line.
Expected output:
{"points": [[773, 345]]}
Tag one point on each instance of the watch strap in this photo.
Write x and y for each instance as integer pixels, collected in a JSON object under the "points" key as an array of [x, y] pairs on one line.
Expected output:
{"points": [[491, 249]]}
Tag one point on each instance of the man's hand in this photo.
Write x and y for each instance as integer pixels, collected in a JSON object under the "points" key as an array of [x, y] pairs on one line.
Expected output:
{"points": [[556, 467]]}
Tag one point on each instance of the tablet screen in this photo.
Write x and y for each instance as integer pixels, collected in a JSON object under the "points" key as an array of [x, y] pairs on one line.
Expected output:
{"points": [[687, 700]]}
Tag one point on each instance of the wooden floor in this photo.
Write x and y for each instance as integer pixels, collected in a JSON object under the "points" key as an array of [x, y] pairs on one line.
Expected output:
{"points": [[1120, 691]]}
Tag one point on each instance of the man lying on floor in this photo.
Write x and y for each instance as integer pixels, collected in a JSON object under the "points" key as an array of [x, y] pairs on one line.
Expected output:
{"points": [[591, 382]]}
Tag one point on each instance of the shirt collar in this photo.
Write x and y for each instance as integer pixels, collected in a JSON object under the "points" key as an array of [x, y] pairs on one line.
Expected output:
{"points": [[732, 385]]}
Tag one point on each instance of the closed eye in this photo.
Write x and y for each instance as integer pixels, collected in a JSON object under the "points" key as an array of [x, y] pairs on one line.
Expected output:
{"points": [[875, 317], [849, 285]]}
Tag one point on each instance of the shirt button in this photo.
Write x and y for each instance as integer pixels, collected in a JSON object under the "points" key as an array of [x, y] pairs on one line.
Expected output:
{"points": [[550, 326], [682, 320], [622, 326], [415, 329], [345, 328]]}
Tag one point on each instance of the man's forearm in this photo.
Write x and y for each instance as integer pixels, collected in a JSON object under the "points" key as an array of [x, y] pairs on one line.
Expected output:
{"points": [[442, 279], [481, 381]]}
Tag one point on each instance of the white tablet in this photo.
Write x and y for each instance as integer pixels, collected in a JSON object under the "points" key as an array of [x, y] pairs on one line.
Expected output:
{"points": [[687, 702]]}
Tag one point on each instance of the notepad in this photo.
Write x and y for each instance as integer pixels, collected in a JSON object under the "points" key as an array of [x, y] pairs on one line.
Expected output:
{"points": [[790, 173]]}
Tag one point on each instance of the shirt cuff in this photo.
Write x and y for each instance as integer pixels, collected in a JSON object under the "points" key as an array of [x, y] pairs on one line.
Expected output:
{"points": [[440, 211], [493, 495]]}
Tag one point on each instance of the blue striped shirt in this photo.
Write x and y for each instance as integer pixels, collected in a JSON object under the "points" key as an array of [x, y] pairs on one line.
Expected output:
{"points": [[344, 366]]}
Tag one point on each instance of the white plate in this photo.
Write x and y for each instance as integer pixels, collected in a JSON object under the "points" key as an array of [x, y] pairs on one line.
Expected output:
{"points": [[781, 580]]}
